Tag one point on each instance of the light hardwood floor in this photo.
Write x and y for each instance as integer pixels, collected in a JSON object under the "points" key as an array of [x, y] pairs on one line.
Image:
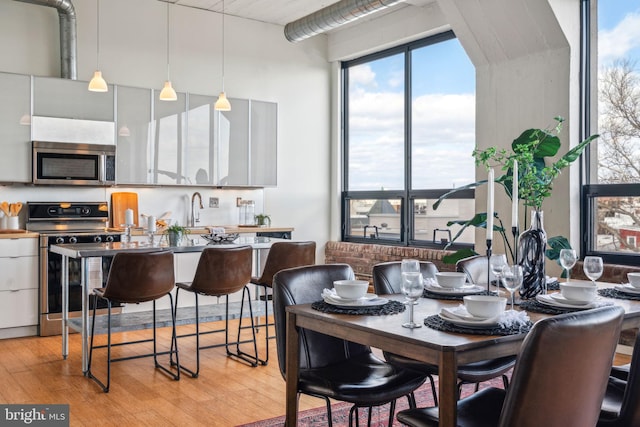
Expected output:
{"points": [[227, 393]]}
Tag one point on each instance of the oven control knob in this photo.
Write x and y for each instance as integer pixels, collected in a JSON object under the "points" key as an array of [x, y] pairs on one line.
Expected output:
{"points": [[59, 240], [109, 238], [97, 239], [73, 239], [85, 211]]}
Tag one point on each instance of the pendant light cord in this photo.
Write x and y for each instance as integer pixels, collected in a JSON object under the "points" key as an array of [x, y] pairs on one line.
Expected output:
{"points": [[97, 34], [223, 45], [168, 79]]}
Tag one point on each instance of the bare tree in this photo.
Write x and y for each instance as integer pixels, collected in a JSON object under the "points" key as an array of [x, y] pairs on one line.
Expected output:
{"points": [[619, 146]]}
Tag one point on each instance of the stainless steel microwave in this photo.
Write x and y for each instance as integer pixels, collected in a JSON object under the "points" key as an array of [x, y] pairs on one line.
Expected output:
{"points": [[64, 163]]}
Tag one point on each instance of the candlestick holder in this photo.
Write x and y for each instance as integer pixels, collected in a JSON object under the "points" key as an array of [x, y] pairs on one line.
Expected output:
{"points": [[126, 237], [489, 242], [515, 230]]}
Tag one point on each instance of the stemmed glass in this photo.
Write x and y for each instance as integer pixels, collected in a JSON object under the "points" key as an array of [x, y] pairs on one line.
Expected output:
{"points": [[412, 287], [593, 267], [410, 266], [498, 262], [568, 259], [512, 279]]}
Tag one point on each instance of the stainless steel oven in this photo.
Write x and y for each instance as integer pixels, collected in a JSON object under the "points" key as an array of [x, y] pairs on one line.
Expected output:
{"points": [[77, 222]]}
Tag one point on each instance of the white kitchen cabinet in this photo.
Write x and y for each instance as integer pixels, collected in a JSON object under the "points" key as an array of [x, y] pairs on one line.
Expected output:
{"points": [[18, 287], [65, 98], [133, 135], [15, 128], [264, 137]]}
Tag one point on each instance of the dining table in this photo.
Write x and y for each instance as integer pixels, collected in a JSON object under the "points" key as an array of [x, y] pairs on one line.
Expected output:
{"points": [[443, 348], [85, 251]]}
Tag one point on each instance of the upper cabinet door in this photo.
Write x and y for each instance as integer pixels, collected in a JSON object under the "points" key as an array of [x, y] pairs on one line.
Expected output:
{"points": [[168, 140], [133, 135], [71, 99], [233, 144], [198, 151], [264, 137], [15, 128]]}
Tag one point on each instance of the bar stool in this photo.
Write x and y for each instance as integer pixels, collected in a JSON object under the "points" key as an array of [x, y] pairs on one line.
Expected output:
{"points": [[136, 277], [282, 255], [220, 272]]}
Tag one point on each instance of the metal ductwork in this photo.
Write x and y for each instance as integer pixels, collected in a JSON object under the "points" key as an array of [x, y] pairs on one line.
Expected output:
{"points": [[333, 16], [68, 35]]}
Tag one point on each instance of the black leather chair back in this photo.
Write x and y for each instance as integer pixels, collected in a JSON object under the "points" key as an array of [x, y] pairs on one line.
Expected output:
{"points": [[475, 267], [284, 255], [387, 276], [304, 285], [223, 271], [562, 371], [140, 276]]}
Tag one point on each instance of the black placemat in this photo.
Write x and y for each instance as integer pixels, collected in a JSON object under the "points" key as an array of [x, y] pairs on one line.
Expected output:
{"points": [[614, 293], [538, 307], [437, 323], [434, 295], [392, 307]]}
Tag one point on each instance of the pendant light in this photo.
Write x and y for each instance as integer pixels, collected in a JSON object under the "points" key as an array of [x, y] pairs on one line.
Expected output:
{"points": [[222, 104], [168, 93], [97, 83]]}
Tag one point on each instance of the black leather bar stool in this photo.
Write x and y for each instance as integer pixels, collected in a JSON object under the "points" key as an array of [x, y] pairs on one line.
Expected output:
{"points": [[134, 278], [221, 272], [282, 255]]}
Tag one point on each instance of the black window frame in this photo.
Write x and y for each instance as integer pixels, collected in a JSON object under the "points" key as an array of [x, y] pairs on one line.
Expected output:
{"points": [[407, 195]]}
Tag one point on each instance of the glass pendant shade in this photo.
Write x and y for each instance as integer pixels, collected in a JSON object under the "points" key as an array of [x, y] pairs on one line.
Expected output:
{"points": [[97, 83], [168, 93], [222, 104]]}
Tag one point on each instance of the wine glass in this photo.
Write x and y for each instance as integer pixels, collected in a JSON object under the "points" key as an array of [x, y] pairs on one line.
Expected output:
{"points": [[512, 279], [410, 266], [412, 287], [593, 267], [568, 259], [498, 262]]}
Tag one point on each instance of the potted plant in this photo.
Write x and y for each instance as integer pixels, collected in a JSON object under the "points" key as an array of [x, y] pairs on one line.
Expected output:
{"points": [[535, 184], [175, 233], [263, 220]]}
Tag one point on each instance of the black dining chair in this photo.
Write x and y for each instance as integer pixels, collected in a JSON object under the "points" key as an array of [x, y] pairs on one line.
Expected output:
{"points": [[330, 367], [475, 267], [621, 404], [136, 277], [559, 379], [387, 279]]}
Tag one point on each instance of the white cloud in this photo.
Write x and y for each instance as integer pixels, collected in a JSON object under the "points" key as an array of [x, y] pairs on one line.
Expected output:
{"points": [[362, 75], [616, 43]]}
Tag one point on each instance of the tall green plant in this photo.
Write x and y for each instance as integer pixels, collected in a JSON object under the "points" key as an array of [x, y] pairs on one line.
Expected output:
{"points": [[535, 179]]}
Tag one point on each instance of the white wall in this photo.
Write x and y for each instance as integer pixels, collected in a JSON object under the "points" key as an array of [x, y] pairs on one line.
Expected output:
{"points": [[259, 64]]}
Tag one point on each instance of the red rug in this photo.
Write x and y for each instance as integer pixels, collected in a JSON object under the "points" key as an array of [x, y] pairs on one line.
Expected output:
{"points": [[317, 417]]}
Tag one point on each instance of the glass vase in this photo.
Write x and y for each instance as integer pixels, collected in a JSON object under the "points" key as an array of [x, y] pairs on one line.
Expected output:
{"points": [[532, 245]]}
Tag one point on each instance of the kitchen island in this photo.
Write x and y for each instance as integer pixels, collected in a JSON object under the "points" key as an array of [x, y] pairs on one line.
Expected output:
{"points": [[84, 251]]}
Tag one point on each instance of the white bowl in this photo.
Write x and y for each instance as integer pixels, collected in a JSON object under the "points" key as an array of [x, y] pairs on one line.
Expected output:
{"points": [[486, 306], [579, 292], [448, 279], [351, 289], [634, 279]]}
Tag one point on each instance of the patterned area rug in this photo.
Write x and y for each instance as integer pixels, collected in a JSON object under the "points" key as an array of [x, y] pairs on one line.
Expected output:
{"points": [[317, 417]]}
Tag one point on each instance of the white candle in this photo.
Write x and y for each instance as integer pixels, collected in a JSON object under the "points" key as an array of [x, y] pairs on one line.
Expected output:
{"points": [[514, 196], [490, 205], [151, 224], [128, 217]]}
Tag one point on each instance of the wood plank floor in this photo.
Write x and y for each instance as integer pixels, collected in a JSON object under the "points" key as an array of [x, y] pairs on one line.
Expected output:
{"points": [[227, 393]]}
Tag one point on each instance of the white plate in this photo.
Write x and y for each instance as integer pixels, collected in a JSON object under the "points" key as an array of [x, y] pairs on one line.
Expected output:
{"points": [[339, 299], [546, 299], [483, 323], [628, 289], [363, 302], [562, 300], [468, 289]]}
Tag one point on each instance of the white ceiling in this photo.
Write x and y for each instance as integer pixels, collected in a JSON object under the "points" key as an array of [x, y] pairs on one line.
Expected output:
{"points": [[279, 12]]}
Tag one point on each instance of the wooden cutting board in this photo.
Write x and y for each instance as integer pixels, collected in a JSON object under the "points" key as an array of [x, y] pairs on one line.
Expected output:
{"points": [[120, 202]]}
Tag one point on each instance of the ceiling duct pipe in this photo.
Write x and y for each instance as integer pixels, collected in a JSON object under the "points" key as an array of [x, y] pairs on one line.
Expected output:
{"points": [[68, 36], [333, 16]]}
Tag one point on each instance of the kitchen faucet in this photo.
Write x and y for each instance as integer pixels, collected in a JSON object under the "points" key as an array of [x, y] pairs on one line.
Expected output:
{"points": [[193, 199]]}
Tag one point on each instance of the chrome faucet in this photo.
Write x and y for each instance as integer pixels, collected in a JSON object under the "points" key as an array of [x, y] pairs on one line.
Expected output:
{"points": [[193, 199]]}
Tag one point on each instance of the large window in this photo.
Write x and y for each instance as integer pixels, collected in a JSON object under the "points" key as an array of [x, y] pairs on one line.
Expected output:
{"points": [[409, 132], [612, 193]]}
